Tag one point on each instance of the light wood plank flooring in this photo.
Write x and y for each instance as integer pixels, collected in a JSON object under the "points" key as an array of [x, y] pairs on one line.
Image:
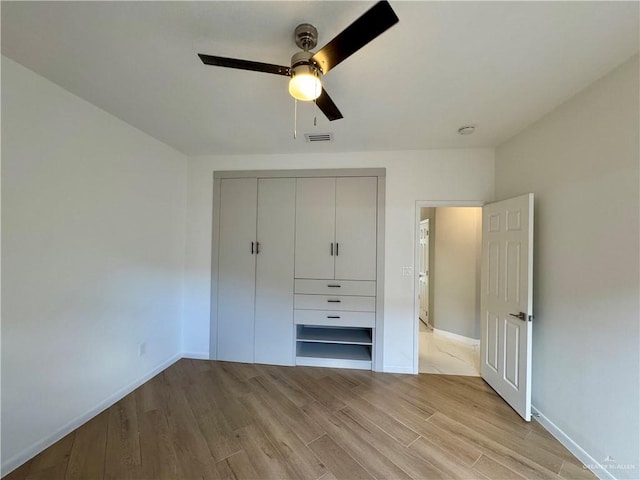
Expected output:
{"points": [[215, 420]]}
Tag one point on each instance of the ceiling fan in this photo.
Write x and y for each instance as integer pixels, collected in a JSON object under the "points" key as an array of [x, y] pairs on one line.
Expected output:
{"points": [[307, 68]]}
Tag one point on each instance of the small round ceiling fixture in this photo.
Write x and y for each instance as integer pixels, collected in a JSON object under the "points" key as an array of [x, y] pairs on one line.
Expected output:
{"points": [[467, 130]]}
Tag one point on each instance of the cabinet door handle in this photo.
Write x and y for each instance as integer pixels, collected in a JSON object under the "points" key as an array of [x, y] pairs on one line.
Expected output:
{"points": [[333, 301], [257, 248], [337, 247], [333, 286], [251, 248], [333, 316], [331, 249]]}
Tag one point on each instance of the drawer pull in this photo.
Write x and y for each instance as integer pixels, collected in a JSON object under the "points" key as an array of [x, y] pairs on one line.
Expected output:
{"points": [[333, 316], [333, 286], [333, 301]]}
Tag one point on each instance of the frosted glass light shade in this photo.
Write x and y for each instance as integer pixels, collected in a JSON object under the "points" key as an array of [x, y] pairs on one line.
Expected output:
{"points": [[305, 86]]}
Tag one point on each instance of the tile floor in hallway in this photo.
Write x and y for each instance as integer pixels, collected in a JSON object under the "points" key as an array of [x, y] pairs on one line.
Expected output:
{"points": [[444, 355]]}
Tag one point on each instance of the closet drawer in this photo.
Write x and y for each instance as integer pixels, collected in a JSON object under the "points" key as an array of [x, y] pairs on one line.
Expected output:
{"points": [[334, 318], [335, 287], [335, 302]]}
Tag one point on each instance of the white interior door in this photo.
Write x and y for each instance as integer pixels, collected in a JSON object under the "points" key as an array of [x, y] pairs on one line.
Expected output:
{"points": [[423, 274], [356, 219], [506, 301], [274, 271], [236, 269]]}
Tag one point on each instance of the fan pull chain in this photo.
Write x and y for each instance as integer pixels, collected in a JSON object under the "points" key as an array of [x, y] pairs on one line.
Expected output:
{"points": [[295, 118], [315, 110]]}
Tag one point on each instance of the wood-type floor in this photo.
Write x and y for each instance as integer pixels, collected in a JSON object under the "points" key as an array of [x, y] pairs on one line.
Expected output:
{"points": [[215, 420]]}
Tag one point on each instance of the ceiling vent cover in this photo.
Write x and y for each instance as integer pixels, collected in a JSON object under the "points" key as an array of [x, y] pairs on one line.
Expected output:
{"points": [[318, 137]]}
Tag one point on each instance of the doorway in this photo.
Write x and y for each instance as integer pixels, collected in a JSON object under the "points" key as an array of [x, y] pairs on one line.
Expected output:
{"points": [[423, 273], [448, 253]]}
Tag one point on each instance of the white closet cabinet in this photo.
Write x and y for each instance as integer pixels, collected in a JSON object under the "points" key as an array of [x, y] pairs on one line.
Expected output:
{"points": [[336, 228], [335, 269], [237, 269], [315, 227], [356, 217], [255, 270], [274, 333]]}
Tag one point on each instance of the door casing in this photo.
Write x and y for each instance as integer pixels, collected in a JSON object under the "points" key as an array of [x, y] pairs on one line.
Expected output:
{"points": [[424, 271]]}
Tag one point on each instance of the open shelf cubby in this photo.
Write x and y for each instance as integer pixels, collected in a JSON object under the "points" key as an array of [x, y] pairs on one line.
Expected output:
{"points": [[345, 335], [346, 347]]}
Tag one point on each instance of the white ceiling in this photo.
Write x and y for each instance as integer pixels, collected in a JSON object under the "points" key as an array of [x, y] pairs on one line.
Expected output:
{"points": [[498, 65]]}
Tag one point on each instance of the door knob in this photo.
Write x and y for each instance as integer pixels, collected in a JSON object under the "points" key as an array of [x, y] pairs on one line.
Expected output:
{"points": [[522, 316]]}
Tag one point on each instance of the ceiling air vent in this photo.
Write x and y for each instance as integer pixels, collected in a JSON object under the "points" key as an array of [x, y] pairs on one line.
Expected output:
{"points": [[319, 137]]}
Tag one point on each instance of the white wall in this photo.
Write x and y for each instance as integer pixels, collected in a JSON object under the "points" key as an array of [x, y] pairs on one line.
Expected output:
{"points": [[93, 216], [582, 163], [411, 175], [456, 268]]}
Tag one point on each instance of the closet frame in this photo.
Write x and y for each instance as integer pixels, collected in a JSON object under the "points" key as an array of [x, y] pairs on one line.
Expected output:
{"points": [[380, 173]]}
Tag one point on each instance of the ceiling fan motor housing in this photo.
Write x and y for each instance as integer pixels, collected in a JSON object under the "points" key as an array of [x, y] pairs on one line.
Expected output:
{"points": [[301, 64], [303, 58]]}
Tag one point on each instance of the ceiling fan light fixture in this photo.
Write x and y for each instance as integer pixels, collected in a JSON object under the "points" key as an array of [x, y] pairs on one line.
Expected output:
{"points": [[307, 68], [305, 83]]}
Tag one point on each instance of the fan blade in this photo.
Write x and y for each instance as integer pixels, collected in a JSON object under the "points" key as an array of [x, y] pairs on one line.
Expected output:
{"points": [[373, 23], [326, 105], [244, 65]]}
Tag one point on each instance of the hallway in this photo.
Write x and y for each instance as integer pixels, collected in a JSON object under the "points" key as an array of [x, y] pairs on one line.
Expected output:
{"points": [[442, 355]]}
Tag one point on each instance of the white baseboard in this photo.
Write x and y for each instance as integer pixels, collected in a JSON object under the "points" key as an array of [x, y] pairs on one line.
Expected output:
{"points": [[459, 338], [393, 369], [14, 462], [196, 355], [596, 467]]}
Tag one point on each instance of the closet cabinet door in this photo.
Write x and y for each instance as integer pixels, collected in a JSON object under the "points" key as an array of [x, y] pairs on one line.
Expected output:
{"points": [[315, 226], [236, 269], [274, 337], [356, 228]]}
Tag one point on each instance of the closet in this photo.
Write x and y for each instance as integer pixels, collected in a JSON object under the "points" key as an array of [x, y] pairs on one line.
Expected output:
{"points": [[335, 269], [255, 265], [336, 228], [295, 267]]}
